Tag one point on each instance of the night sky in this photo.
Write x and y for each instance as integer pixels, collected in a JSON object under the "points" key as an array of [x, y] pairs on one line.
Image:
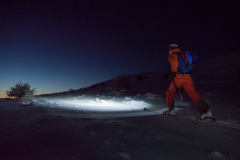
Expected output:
{"points": [[57, 45]]}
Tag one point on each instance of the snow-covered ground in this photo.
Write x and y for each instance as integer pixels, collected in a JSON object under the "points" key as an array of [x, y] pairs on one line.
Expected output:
{"points": [[97, 123]]}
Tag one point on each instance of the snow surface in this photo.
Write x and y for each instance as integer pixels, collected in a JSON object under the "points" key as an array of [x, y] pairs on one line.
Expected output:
{"points": [[97, 123]]}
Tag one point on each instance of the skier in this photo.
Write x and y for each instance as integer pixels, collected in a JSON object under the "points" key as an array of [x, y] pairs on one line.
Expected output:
{"points": [[185, 81]]}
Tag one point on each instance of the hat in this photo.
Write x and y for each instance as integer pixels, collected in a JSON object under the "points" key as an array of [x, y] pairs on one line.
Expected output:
{"points": [[173, 46]]}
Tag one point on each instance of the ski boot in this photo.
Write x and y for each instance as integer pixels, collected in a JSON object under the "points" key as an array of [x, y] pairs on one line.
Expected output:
{"points": [[169, 112], [205, 115]]}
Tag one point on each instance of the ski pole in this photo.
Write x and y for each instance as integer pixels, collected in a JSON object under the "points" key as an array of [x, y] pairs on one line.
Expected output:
{"points": [[191, 101]]}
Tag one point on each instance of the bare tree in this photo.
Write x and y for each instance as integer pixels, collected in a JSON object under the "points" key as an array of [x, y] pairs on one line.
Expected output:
{"points": [[21, 91]]}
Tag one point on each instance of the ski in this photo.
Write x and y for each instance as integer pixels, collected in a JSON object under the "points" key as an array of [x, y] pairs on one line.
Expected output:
{"points": [[192, 119], [195, 120], [212, 121]]}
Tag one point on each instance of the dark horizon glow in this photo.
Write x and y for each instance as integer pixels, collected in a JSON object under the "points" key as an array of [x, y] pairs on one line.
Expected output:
{"points": [[56, 46]]}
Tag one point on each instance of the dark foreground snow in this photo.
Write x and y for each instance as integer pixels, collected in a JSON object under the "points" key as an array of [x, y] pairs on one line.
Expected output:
{"points": [[47, 130]]}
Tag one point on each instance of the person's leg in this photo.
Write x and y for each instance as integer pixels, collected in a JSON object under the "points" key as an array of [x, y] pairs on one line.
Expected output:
{"points": [[200, 103], [170, 95]]}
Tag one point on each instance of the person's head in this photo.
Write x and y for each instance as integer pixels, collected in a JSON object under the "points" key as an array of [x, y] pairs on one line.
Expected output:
{"points": [[173, 47]]}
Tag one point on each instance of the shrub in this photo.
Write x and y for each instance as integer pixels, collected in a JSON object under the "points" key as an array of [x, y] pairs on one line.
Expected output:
{"points": [[142, 77], [21, 91], [97, 85], [121, 82], [70, 90]]}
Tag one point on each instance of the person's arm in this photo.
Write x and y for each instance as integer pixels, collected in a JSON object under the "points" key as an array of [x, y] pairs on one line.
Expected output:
{"points": [[173, 59]]}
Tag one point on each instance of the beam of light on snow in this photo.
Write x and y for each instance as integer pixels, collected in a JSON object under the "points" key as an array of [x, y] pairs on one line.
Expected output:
{"points": [[96, 104]]}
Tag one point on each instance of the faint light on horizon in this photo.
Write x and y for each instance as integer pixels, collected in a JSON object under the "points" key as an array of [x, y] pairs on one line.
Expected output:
{"points": [[2, 95]]}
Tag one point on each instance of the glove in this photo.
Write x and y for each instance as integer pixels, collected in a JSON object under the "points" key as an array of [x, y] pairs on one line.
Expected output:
{"points": [[169, 74]]}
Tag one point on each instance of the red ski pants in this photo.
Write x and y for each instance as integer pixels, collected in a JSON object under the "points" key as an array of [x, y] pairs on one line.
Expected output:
{"points": [[188, 87]]}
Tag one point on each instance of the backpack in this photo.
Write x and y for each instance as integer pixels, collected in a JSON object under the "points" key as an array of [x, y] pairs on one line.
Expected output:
{"points": [[187, 62]]}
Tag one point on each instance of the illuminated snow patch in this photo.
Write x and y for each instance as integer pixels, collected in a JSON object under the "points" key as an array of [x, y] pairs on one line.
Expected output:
{"points": [[100, 105]]}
